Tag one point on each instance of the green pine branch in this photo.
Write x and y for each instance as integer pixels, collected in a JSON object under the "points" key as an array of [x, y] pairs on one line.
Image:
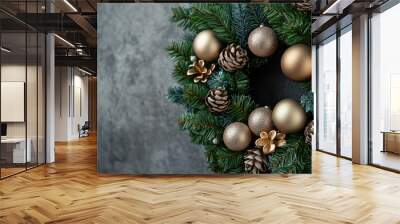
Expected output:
{"points": [[180, 51], [291, 25], [194, 95], [306, 85], [223, 160], [219, 79], [294, 157], [207, 16], [181, 16], [203, 126], [175, 95], [240, 107], [307, 101], [179, 73], [245, 18], [236, 82]]}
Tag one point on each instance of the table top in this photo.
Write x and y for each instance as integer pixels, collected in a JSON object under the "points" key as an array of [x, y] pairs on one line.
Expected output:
{"points": [[391, 132], [13, 140]]}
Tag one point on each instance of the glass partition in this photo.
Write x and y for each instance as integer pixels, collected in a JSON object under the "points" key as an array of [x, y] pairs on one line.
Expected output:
{"points": [[22, 107], [326, 98], [13, 94]]}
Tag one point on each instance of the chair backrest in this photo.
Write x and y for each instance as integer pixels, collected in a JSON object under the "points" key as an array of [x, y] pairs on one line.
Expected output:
{"points": [[86, 124]]}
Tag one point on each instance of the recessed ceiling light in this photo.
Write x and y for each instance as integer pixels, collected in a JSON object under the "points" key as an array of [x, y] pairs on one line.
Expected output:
{"points": [[5, 50], [338, 6], [70, 5], [84, 71], [65, 41]]}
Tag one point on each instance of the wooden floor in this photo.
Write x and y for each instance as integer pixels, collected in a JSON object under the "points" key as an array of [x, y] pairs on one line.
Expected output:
{"points": [[70, 191]]}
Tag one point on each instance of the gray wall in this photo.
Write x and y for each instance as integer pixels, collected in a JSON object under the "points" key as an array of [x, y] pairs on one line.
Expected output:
{"points": [[137, 125]]}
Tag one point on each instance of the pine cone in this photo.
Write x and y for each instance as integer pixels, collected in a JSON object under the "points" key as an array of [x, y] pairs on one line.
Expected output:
{"points": [[309, 132], [233, 58], [199, 71], [217, 99], [304, 6], [254, 161]]}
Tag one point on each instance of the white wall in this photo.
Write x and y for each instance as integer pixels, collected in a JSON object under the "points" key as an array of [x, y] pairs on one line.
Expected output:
{"points": [[16, 73], [33, 127], [9, 73], [71, 93]]}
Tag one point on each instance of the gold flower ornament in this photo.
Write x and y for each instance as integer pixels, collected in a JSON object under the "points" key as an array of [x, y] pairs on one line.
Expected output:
{"points": [[271, 140]]}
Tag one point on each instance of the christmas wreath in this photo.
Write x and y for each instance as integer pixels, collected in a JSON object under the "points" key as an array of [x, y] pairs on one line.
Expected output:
{"points": [[222, 45]]}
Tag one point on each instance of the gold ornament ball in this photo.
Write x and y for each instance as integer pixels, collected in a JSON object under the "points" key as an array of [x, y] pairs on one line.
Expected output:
{"points": [[260, 120], [263, 41], [296, 62], [288, 116], [206, 46], [237, 136]]}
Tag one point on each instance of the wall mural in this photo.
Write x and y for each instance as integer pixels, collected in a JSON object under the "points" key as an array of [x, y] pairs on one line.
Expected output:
{"points": [[242, 75]]}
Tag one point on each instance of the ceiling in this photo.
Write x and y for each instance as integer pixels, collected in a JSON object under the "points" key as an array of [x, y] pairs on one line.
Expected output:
{"points": [[332, 15], [74, 22]]}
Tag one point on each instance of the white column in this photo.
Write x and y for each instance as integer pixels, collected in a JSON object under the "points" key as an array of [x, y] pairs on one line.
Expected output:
{"points": [[360, 90], [50, 99]]}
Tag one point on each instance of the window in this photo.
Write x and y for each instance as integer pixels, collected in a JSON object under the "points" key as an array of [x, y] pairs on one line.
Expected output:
{"points": [[326, 105], [385, 89], [345, 43]]}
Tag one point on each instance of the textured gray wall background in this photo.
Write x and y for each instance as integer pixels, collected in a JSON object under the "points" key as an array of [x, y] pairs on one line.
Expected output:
{"points": [[138, 132]]}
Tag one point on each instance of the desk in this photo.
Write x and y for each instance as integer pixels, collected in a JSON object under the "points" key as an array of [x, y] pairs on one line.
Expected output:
{"points": [[18, 149], [391, 141]]}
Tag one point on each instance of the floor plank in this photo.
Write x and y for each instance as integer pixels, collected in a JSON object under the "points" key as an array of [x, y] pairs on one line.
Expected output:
{"points": [[71, 191]]}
